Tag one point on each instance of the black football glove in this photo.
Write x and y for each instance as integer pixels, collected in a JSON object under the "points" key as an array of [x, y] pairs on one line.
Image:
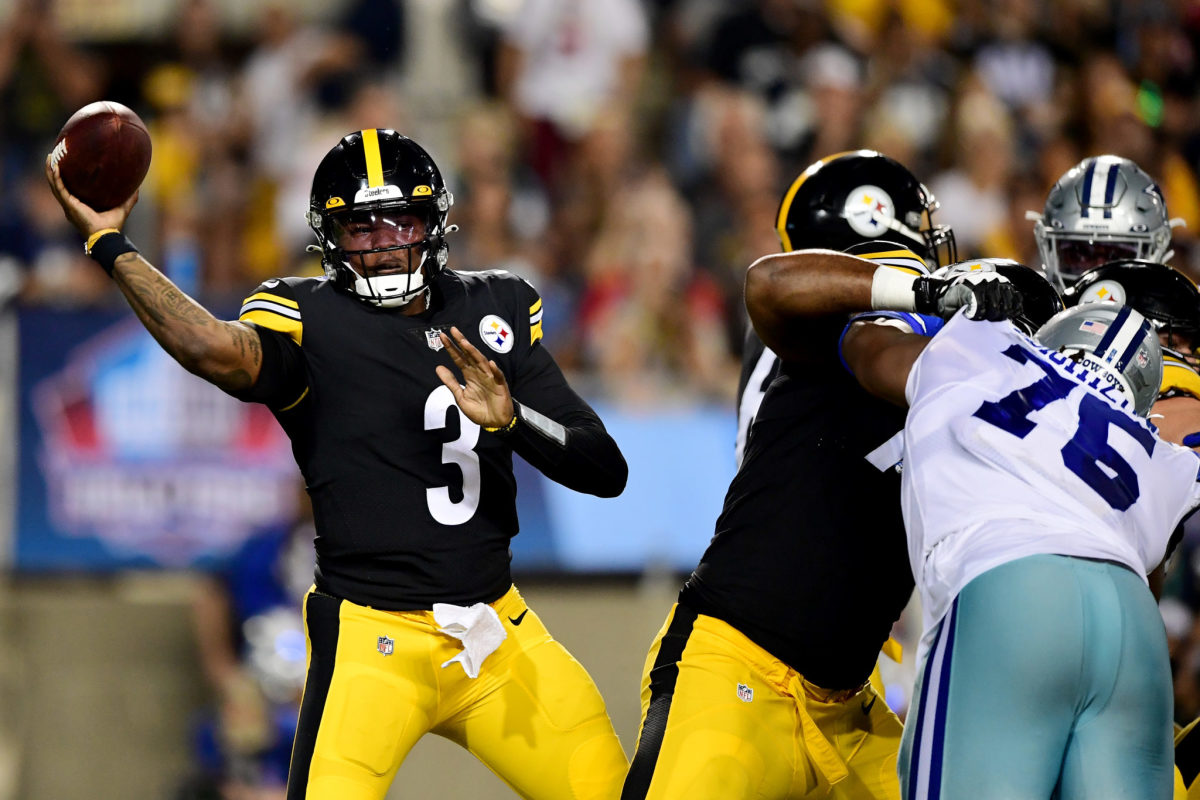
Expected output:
{"points": [[984, 295]]}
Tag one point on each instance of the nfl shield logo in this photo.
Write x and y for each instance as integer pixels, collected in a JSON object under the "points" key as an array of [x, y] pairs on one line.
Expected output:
{"points": [[745, 693], [386, 645], [434, 340]]}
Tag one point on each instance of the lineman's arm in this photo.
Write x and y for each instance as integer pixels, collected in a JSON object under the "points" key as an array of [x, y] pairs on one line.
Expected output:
{"points": [[787, 294], [881, 357], [227, 354]]}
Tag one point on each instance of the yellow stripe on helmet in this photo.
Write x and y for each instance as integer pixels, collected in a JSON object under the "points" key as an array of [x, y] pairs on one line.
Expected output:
{"points": [[370, 138]]}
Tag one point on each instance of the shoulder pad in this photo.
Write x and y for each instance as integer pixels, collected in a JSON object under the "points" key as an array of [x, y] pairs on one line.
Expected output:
{"points": [[898, 257], [273, 306]]}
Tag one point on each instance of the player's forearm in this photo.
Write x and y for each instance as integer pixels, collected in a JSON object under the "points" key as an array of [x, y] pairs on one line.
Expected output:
{"points": [[786, 293], [578, 454], [227, 354]]}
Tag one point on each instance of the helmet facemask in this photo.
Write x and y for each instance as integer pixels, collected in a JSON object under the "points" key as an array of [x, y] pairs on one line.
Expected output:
{"points": [[1066, 256], [939, 239], [386, 253]]}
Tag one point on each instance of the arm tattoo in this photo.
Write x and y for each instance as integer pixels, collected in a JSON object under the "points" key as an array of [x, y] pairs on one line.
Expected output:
{"points": [[226, 353]]}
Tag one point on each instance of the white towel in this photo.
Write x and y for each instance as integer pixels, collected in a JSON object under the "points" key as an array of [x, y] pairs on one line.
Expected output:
{"points": [[478, 628]]}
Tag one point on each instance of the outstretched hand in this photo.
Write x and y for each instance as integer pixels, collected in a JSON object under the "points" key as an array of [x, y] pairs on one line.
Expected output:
{"points": [[86, 219], [483, 395]]}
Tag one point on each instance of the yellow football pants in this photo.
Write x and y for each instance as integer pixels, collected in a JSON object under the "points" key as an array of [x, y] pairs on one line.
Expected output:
{"points": [[722, 719], [375, 686]]}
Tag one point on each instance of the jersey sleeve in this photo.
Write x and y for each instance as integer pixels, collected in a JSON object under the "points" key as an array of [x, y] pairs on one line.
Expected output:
{"points": [[903, 260], [906, 321], [282, 379], [557, 431]]}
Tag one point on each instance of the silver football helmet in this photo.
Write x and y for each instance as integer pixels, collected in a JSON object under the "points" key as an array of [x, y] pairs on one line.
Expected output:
{"points": [[1105, 208], [1114, 341]]}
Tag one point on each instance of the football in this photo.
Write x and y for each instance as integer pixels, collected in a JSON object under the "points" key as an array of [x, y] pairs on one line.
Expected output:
{"points": [[103, 153]]}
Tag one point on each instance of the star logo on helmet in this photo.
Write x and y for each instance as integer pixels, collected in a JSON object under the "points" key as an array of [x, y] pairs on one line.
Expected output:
{"points": [[1104, 292], [869, 210]]}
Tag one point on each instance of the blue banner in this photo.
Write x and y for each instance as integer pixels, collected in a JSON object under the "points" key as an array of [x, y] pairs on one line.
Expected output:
{"points": [[127, 460]]}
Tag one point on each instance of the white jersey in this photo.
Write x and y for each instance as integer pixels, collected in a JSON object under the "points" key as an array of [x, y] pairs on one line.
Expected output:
{"points": [[1012, 450]]}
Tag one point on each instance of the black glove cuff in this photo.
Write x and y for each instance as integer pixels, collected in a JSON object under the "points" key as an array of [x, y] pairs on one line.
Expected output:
{"points": [[106, 249], [925, 294]]}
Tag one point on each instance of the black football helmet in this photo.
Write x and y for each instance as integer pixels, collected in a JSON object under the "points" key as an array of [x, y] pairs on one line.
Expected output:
{"points": [[373, 180], [862, 196], [1160, 293], [1039, 299]]}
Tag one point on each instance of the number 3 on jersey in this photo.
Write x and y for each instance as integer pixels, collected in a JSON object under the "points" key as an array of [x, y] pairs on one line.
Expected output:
{"points": [[461, 453], [1088, 449]]}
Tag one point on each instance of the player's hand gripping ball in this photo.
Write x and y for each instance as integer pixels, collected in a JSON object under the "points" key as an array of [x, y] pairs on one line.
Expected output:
{"points": [[102, 153]]}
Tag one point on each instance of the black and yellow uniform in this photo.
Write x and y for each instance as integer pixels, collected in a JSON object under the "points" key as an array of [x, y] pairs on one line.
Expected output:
{"points": [[757, 685], [414, 505]]}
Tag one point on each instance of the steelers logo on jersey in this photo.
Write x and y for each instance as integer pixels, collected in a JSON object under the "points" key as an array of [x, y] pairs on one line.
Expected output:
{"points": [[869, 210], [1103, 292], [496, 333]]}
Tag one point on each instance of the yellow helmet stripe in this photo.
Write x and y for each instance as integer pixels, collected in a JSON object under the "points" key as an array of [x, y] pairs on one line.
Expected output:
{"points": [[370, 138], [786, 205]]}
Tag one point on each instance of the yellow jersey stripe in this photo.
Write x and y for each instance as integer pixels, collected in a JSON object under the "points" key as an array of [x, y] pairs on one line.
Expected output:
{"points": [[885, 254], [535, 332], [370, 138], [533, 309], [275, 322], [274, 298], [292, 405]]}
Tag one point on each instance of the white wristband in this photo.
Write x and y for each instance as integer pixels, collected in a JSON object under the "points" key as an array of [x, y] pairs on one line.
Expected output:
{"points": [[892, 290]]}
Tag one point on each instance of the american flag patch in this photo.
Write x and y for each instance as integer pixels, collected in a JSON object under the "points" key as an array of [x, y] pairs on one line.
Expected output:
{"points": [[1093, 326]]}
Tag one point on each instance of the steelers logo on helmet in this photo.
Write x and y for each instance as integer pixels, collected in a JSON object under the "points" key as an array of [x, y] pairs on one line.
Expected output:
{"points": [[496, 333], [869, 210], [1104, 292]]}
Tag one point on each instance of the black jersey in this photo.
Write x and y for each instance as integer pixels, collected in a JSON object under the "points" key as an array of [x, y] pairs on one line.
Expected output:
{"points": [[414, 503], [809, 557]]}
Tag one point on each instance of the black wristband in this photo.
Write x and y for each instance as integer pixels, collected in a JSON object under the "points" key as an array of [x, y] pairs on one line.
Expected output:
{"points": [[106, 249]]}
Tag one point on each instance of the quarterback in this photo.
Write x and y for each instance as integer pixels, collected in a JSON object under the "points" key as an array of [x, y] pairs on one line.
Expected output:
{"points": [[404, 431]]}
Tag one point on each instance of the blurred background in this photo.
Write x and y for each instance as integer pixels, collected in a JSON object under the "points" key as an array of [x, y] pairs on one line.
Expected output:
{"points": [[625, 156]]}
